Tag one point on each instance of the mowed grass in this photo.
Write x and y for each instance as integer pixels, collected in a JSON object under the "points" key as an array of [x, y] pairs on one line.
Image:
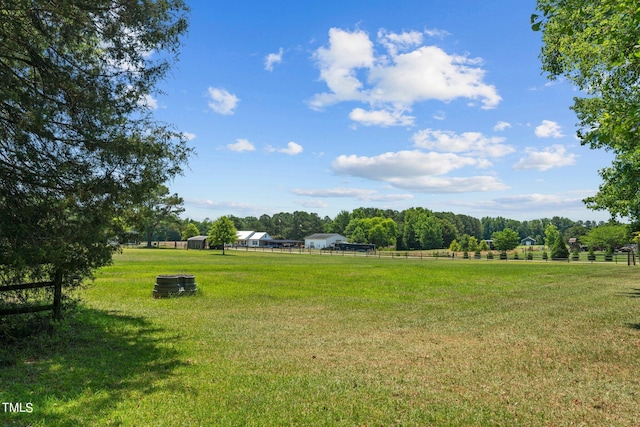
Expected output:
{"points": [[290, 339]]}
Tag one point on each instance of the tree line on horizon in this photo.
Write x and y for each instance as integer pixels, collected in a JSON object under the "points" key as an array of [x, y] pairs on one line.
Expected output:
{"points": [[410, 229]]}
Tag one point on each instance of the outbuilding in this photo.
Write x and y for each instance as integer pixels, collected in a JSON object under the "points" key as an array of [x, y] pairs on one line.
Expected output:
{"points": [[528, 241], [323, 240], [197, 242]]}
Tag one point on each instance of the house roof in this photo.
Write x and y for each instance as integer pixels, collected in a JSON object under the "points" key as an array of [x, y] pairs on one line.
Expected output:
{"points": [[323, 236], [259, 235], [197, 238], [244, 235]]}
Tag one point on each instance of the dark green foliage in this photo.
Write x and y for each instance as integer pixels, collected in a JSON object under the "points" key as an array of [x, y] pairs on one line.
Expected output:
{"points": [[506, 240], [78, 144], [594, 44], [222, 232], [159, 207], [559, 250], [607, 236]]}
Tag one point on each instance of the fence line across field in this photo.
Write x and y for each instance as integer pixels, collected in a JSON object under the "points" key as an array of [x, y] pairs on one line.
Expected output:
{"points": [[522, 255]]}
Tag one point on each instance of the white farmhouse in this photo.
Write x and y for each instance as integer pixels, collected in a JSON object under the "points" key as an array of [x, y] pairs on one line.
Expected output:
{"points": [[253, 238], [321, 240]]}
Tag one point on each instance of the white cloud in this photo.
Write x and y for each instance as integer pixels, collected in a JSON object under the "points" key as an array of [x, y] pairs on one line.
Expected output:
{"points": [[500, 126], [539, 202], [395, 43], [440, 115], [313, 204], [272, 59], [381, 118], [550, 157], [241, 145], [224, 206], [419, 171], [401, 164], [410, 73], [473, 143], [549, 129], [430, 73], [338, 64], [524, 205], [356, 193], [527, 201], [292, 149], [435, 32], [431, 184], [222, 102], [189, 136]]}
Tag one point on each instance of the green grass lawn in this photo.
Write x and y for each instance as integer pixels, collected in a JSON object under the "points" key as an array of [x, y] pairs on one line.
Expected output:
{"points": [[291, 339]]}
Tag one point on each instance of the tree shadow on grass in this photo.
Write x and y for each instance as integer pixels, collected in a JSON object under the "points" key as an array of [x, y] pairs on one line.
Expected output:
{"points": [[633, 293], [94, 361]]}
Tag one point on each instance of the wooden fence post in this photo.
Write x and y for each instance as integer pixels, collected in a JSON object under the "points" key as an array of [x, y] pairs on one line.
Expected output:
{"points": [[57, 295]]}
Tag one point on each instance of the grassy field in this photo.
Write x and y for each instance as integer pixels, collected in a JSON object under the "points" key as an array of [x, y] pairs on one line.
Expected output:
{"points": [[279, 339]]}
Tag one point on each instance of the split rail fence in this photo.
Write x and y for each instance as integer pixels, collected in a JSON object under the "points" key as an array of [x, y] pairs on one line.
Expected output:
{"points": [[55, 306]]}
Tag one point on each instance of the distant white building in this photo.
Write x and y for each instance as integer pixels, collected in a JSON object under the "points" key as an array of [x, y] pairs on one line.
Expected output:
{"points": [[323, 240], [253, 238]]}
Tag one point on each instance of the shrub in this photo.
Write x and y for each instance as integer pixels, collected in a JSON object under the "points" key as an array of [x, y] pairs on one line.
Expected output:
{"points": [[559, 250]]}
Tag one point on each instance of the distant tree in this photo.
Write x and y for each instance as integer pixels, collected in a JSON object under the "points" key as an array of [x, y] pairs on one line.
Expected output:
{"points": [[78, 143], [282, 225], [340, 222], [551, 234], [449, 232], [429, 232], [464, 242], [222, 232], [607, 236], [506, 240], [378, 235], [190, 231], [410, 236], [377, 230], [358, 235], [265, 224], [559, 249], [473, 243], [204, 226], [470, 225], [594, 45], [159, 207], [252, 223]]}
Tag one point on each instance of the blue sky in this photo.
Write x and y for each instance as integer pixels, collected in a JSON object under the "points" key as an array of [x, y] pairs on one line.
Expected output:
{"points": [[329, 106]]}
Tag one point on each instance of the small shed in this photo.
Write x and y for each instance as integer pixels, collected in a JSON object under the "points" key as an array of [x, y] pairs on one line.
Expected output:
{"points": [[197, 242], [574, 244], [323, 240], [528, 241]]}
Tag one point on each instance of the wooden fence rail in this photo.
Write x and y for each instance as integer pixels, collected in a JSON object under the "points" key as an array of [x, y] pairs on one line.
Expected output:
{"points": [[56, 306]]}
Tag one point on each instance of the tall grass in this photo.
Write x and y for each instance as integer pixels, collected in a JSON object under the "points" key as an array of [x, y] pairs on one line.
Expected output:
{"points": [[279, 339]]}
